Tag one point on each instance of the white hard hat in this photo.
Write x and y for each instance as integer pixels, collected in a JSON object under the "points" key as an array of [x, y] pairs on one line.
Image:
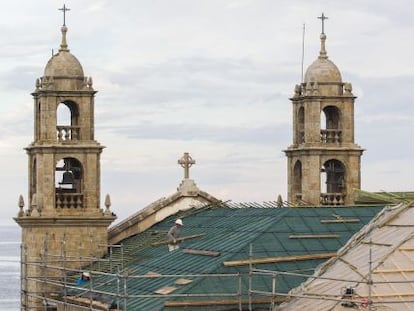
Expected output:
{"points": [[179, 222], [86, 274]]}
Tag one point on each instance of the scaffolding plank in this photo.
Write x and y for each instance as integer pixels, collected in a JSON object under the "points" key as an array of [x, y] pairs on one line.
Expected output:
{"points": [[201, 252], [408, 294], [182, 281], [165, 290], [223, 302], [189, 237], [333, 221], [375, 243], [83, 301], [393, 270], [278, 259], [314, 236], [406, 249], [152, 274]]}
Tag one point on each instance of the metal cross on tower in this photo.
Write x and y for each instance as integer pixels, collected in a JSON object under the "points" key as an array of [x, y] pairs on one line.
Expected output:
{"points": [[322, 18], [186, 162], [64, 10]]}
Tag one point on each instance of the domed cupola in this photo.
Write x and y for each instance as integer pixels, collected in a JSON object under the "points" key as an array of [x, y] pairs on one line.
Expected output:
{"points": [[63, 70], [322, 70], [323, 74]]}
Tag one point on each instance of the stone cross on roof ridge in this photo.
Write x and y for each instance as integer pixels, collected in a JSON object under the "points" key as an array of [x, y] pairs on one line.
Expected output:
{"points": [[186, 162]]}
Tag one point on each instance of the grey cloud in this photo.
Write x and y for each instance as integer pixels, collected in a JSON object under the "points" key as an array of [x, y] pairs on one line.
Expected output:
{"points": [[267, 134], [195, 82], [21, 77]]}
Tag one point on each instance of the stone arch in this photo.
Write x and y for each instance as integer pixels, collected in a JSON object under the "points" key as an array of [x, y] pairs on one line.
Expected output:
{"points": [[297, 180], [331, 123], [332, 116], [333, 173], [300, 126], [69, 176], [33, 178], [67, 120]]}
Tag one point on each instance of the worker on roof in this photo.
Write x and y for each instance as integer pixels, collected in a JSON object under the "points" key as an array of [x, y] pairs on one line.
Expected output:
{"points": [[85, 277], [173, 235]]}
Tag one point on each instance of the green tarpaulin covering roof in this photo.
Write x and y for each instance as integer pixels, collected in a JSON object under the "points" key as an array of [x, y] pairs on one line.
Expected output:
{"points": [[229, 235]]}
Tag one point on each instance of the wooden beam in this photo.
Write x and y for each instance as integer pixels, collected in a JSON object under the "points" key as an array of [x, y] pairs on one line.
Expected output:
{"points": [[314, 236], [406, 249], [393, 270], [182, 281], [278, 259], [375, 243], [189, 237], [165, 290], [152, 274], [222, 302], [332, 221], [201, 252], [393, 295], [87, 302]]}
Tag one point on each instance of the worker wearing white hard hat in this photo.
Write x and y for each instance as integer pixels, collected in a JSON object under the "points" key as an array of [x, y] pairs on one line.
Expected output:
{"points": [[173, 235], [85, 277]]}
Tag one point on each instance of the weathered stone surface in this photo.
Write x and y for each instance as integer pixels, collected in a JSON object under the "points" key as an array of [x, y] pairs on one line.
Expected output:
{"points": [[323, 153], [64, 223]]}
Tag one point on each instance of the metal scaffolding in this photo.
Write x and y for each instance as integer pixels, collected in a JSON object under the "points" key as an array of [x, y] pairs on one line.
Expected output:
{"points": [[58, 283]]}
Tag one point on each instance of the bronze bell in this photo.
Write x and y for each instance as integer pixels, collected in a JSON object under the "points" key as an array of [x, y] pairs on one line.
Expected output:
{"points": [[67, 178]]}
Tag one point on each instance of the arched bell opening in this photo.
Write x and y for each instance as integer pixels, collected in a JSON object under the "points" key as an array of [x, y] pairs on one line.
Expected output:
{"points": [[69, 183], [67, 119], [331, 125], [297, 181], [68, 175], [300, 131], [33, 180], [333, 190]]}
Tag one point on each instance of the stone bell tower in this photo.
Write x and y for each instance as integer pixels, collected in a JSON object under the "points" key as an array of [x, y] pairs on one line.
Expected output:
{"points": [[63, 214], [324, 163]]}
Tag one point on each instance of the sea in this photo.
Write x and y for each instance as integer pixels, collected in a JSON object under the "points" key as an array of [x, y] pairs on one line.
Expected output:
{"points": [[9, 267]]}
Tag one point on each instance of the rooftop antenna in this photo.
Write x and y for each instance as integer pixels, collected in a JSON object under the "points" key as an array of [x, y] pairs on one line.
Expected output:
{"points": [[303, 51]]}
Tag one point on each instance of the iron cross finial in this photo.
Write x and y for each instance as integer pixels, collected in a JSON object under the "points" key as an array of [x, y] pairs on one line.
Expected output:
{"points": [[322, 18], [64, 10], [186, 162]]}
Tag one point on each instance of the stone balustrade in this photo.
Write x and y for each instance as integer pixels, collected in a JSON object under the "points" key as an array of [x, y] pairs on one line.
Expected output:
{"points": [[332, 198], [69, 200], [331, 136], [67, 133]]}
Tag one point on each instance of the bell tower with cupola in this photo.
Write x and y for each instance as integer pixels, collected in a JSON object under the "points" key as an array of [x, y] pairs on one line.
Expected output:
{"points": [[64, 214], [324, 163]]}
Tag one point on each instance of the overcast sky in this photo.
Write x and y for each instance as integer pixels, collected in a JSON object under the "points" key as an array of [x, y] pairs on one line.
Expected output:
{"points": [[213, 78]]}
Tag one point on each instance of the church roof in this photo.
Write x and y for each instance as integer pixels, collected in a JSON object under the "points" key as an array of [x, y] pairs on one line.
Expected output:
{"points": [[382, 197], [220, 236]]}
